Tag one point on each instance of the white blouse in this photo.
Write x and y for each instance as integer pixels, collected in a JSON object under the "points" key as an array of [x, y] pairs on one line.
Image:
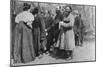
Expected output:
{"points": [[24, 16]]}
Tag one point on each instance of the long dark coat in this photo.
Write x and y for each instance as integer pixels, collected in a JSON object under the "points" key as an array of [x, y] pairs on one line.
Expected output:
{"points": [[38, 34]]}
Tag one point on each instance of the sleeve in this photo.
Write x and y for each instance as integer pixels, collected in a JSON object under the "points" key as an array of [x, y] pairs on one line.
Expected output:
{"points": [[24, 16], [20, 17], [17, 19]]}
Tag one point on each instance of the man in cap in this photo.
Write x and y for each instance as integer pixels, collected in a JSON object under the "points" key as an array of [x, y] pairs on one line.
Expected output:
{"points": [[67, 41]]}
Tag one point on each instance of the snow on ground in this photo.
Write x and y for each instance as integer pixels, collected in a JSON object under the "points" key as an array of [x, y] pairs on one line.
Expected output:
{"points": [[84, 53]]}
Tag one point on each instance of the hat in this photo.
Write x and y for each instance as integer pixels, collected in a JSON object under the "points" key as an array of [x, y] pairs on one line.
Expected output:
{"points": [[68, 8]]}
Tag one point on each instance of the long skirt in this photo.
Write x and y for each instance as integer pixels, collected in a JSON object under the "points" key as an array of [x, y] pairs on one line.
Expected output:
{"points": [[36, 39], [23, 46]]}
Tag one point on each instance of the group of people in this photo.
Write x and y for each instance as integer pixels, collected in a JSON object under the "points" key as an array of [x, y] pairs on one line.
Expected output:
{"points": [[37, 33]]}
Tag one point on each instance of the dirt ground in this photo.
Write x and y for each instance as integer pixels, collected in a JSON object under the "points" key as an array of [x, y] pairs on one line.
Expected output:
{"points": [[84, 53]]}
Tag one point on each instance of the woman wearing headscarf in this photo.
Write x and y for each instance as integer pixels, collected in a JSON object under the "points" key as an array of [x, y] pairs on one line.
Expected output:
{"points": [[23, 46], [66, 40]]}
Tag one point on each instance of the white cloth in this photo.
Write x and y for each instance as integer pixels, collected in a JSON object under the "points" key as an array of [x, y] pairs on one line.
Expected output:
{"points": [[24, 16], [60, 23]]}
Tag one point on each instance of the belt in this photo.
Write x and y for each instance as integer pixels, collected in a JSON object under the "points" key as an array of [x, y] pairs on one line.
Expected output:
{"points": [[67, 28]]}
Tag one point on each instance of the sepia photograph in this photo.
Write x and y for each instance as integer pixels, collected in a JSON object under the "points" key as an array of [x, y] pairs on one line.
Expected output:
{"points": [[51, 33]]}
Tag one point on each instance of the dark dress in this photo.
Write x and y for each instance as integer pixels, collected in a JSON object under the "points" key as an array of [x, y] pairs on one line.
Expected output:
{"points": [[23, 46], [38, 34]]}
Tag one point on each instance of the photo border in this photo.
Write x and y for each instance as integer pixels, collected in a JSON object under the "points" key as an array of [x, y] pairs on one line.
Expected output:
{"points": [[50, 63]]}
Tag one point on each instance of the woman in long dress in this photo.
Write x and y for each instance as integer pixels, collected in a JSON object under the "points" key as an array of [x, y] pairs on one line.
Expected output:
{"points": [[23, 42]]}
